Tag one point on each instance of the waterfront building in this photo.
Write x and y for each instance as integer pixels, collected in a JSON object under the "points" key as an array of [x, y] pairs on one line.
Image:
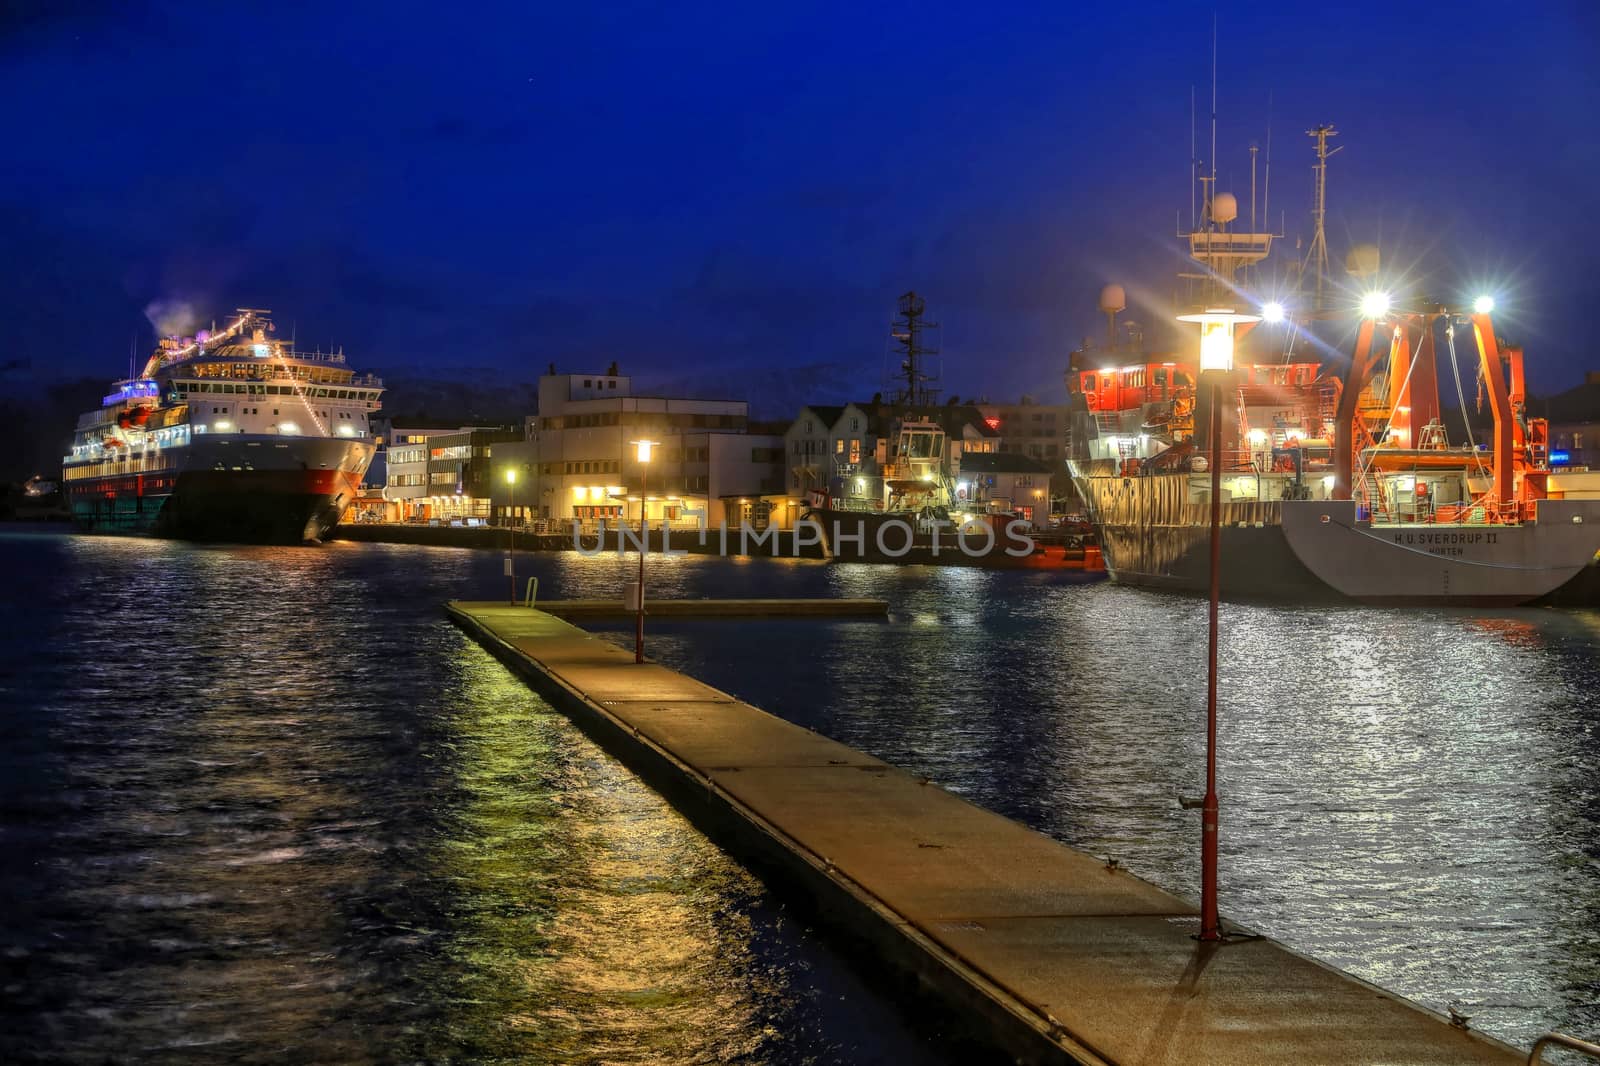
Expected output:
{"points": [[576, 459], [442, 473], [1574, 418], [831, 447], [1575, 424], [1006, 481], [1039, 431]]}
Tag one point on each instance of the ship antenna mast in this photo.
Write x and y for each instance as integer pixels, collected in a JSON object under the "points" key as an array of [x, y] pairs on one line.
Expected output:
{"points": [[1317, 254], [907, 332]]}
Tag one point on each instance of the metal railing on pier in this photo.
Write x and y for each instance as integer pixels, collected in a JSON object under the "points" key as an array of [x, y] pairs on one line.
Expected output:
{"points": [[1561, 1040]]}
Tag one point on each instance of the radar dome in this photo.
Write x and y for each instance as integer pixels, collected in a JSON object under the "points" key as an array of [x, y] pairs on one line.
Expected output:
{"points": [[1362, 262], [1113, 299], [1225, 208]]}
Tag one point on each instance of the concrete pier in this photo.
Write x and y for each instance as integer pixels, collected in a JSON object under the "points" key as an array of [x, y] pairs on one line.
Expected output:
{"points": [[814, 607], [1044, 951]]}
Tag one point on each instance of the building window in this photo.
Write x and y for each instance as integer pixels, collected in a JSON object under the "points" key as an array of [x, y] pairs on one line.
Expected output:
{"points": [[1577, 440], [838, 448]]}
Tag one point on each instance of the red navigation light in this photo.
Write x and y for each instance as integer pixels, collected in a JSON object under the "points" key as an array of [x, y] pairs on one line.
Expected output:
{"points": [[992, 423]]}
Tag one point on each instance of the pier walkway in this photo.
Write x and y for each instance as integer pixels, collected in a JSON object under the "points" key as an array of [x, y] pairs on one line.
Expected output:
{"points": [[1044, 950], [815, 607]]}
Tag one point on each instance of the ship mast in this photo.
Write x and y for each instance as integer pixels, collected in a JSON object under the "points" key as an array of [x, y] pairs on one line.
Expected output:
{"points": [[907, 332], [1317, 254]]}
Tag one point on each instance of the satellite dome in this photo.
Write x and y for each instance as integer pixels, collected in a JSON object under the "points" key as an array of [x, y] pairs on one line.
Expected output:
{"points": [[1362, 262], [1113, 299], [1225, 208]]}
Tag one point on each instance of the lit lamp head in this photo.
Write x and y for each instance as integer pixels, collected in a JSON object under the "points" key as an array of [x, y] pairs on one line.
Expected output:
{"points": [[1374, 304], [1483, 305], [1272, 311], [511, 475], [643, 449], [1216, 335]]}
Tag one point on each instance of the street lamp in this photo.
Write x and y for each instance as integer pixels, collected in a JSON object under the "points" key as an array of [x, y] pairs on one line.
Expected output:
{"points": [[642, 450], [1216, 361], [511, 531]]}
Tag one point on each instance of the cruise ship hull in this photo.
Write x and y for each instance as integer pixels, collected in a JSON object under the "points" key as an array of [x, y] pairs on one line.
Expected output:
{"points": [[227, 487]]}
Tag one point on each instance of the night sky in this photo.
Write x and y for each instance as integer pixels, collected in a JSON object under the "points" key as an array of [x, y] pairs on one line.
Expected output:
{"points": [[697, 191]]}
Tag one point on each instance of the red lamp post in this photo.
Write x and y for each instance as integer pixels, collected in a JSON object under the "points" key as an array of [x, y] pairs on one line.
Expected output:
{"points": [[1216, 361]]}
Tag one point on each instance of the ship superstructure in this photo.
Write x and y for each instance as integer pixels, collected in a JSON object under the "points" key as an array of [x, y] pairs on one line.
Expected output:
{"points": [[230, 434], [1344, 481]]}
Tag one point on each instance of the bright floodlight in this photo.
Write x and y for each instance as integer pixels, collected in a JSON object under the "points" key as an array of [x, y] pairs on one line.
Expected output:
{"points": [[1216, 335], [1375, 304], [1483, 304], [1272, 311], [642, 449], [511, 476]]}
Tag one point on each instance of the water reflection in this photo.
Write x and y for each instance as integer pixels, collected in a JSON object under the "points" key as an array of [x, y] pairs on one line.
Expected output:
{"points": [[267, 805]]}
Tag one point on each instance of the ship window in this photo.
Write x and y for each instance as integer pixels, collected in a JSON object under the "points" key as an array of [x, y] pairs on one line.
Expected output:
{"points": [[1088, 383], [1161, 376]]}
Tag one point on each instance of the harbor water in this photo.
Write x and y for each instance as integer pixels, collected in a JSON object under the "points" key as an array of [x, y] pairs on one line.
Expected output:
{"points": [[267, 803]]}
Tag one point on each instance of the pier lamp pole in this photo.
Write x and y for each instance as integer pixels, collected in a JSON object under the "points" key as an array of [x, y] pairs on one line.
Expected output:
{"points": [[642, 453], [1216, 362], [511, 531]]}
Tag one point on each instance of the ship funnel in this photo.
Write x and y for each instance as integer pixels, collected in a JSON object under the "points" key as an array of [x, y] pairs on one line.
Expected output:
{"points": [[1225, 208], [1362, 262]]}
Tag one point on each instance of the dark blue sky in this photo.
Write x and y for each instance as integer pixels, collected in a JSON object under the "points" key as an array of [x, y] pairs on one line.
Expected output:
{"points": [[694, 190]]}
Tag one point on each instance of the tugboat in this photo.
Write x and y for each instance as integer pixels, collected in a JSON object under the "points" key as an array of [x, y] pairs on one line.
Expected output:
{"points": [[227, 435], [912, 503]]}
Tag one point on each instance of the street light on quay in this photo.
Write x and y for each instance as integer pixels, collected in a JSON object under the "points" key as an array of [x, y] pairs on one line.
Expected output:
{"points": [[1217, 334], [642, 452], [511, 532]]}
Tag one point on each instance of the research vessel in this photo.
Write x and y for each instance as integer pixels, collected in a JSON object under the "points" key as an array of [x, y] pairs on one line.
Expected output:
{"points": [[1335, 481], [228, 435]]}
